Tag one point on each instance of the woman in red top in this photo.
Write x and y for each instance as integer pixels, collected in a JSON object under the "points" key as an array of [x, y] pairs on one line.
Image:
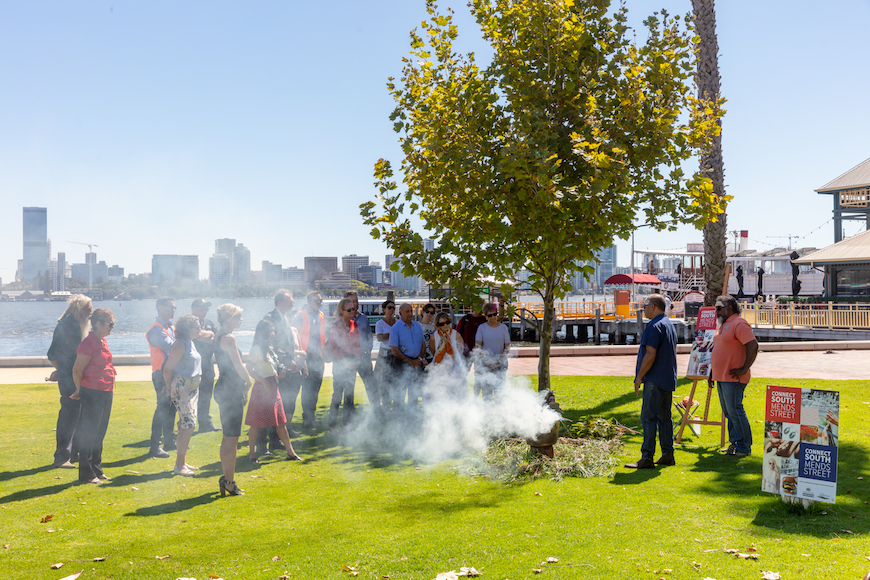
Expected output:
{"points": [[94, 377], [344, 342]]}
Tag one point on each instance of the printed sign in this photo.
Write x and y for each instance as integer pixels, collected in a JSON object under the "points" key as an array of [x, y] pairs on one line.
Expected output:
{"points": [[702, 345], [801, 438]]}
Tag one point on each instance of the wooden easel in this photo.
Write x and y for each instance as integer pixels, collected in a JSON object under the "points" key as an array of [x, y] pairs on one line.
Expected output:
{"points": [[687, 420]]}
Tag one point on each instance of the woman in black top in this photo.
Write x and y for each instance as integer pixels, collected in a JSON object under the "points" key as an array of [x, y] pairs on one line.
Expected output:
{"points": [[230, 392]]}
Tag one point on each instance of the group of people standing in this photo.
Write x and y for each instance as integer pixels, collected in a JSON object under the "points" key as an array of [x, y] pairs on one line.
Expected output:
{"points": [[287, 358]]}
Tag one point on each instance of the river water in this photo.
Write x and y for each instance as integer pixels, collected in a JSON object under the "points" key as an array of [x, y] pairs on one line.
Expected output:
{"points": [[26, 327]]}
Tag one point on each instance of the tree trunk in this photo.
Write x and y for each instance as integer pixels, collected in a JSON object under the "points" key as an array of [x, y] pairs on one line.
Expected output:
{"points": [[546, 340], [711, 161]]}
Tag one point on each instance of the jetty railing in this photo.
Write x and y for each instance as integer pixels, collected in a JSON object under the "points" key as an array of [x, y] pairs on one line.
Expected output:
{"points": [[831, 316]]}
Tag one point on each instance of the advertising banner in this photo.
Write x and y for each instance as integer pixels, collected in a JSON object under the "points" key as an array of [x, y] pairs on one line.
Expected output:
{"points": [[702, 345], [801, 436]]}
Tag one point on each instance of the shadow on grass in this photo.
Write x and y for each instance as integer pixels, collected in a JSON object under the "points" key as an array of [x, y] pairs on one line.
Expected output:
{"points": [[175, 506], [7, 475], [423, 505], [37, 492], [607, 409], [635, 476]]}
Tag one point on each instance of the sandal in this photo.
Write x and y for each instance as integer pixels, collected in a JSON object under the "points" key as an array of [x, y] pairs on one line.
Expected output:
{"points": [[294, 457], [224, 482], [252, 459]]}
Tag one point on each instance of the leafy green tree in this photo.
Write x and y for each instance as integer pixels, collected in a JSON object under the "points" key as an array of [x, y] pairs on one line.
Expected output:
{"points": [[542, 157]]}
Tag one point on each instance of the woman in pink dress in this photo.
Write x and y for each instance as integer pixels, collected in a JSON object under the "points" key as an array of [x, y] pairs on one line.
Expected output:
{"points": [[265, 408]]}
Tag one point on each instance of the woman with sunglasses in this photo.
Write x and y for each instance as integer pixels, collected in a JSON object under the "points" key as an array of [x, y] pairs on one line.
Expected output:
{"points": [[94, 377], [492, 342], [384, 365], [346, 349], [447, 347]]}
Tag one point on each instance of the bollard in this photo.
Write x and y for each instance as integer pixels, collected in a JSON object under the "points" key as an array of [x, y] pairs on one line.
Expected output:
{"points": [[598, 325]]}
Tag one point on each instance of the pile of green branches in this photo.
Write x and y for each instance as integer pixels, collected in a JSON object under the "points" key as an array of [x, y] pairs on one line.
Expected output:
{"points": [[511, 460]]}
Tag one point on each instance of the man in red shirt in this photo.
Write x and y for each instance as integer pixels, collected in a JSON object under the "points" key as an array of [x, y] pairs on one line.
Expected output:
{"points": [[734, 351]]}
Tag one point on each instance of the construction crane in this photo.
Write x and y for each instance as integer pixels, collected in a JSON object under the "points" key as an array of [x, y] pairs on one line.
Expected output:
{"points": [[90, 264], [90, 246]]}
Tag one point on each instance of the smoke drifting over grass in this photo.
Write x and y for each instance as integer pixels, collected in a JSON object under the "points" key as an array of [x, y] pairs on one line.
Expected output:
{"points": [[449, 422]]}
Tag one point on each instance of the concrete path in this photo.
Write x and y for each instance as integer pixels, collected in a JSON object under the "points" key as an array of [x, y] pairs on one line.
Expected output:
{"points": [[812, 364], [841, 365]]}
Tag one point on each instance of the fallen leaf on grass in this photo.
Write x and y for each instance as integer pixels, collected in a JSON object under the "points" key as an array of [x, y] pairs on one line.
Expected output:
{"points": [[58, 477], [7, 546], [770, 575], [276, 558], [539, 493], [47, 518], [552, 560], [50, 531], [696, 565], [746, 556], [134, 488], [848, 531], [452, 575], [214, 577], [350, 570], [73, 576], [57, 566], [101, 558], [163, 557], [131, 471], [468, 571], [805, 555], [537, 570]]}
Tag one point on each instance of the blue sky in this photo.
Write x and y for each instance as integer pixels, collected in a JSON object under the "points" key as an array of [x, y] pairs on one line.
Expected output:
{"points": [[158, 127]]}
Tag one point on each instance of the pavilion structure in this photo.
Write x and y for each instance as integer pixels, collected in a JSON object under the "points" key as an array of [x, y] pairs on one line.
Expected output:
{"points": [[851, 193]]}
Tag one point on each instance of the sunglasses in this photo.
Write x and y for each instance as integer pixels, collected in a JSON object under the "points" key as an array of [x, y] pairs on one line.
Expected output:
{"points": [[111, 324], [492, 314], [350, 309], [390, 308], [443, 324]]}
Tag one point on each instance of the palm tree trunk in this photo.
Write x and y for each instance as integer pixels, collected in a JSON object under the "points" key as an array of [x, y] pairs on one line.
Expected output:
{"points": [[711, 161]]}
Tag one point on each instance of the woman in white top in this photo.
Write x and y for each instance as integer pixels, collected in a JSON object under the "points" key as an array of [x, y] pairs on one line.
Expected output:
{"points": [[447, 361], [384, 365]]}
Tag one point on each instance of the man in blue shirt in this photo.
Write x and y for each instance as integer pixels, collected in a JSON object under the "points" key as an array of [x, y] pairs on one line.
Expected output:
{"points": [[409, 349], [657, 371]]}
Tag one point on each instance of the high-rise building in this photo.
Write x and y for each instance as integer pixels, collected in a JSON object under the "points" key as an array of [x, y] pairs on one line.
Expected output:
{"points": [[174, 268], [294, 275], [116, 273], [241, 264], [350, 265], [59, 284], [428, 245], [606, 264], [317, 267], [272, 272], [220, 270], [370, 274], [36, 252], [91, 273]]}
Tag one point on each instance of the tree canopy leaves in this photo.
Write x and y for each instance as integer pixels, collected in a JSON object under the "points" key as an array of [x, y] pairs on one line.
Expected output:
{"points": [[545, 155]]}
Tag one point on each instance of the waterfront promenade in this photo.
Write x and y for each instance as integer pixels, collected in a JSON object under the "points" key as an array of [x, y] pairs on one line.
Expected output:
{"points": [[810, 360]]}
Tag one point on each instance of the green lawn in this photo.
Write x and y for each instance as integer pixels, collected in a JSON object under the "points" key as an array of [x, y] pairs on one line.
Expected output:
{"points": [[388, 517]]}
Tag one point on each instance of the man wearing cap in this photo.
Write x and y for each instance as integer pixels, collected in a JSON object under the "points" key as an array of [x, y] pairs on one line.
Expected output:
{"points": [[205, 347], [657, 371]]}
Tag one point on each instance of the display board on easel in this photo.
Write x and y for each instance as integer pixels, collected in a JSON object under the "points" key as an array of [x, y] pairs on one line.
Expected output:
{"points": [[699, 370]]}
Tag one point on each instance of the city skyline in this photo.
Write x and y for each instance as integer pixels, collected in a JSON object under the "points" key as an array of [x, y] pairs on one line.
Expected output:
{"points": [[263, 123]]}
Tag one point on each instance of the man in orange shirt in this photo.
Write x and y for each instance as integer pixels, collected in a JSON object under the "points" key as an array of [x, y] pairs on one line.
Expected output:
{"points": [[734, 351]]}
